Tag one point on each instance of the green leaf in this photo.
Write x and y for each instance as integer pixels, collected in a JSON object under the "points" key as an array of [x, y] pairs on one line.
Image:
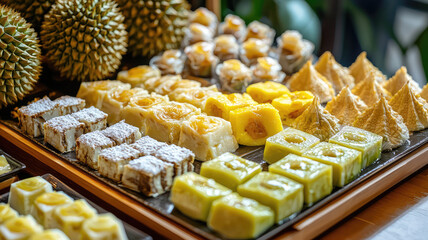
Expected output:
{"points": [[422, 44], [363, 26]]}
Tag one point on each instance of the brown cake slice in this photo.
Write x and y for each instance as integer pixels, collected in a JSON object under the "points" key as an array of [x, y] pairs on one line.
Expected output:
{"points": [[89, 146], [62, 132], [93, 118], [69, 105], [147, 145], [111, 161], [122, 132], [181, 158]]}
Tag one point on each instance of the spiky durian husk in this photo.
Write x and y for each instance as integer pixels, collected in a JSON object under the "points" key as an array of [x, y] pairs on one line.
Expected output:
{"points": [[32, 10], [84, 39], [19, 57], [154, 26]]}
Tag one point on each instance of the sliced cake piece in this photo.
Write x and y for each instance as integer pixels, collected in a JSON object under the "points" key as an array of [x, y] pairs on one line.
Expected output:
{"points": [[401, 77], [122, 132], [370, 90], [32, 117], [103, 226], [195, 96], [61, 132], [346, 106], [147, 145], [362, 67], [68, 104], [89, 146], [181, 158], [94, 92], [222, 105], [45, 204], [93, 118], [111, 161], [149, 175]]}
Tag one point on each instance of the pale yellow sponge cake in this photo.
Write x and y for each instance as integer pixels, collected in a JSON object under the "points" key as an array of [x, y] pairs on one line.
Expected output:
{"points": [[346, 106], [370, 90], [336, 74], [396, 82], [362, 67]]}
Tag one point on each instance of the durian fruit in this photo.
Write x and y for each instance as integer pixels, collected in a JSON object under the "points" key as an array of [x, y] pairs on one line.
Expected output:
{"points": [[346, 106], [154, 26], [84, 39], [362, 67], [396, 82], [20, 57]]}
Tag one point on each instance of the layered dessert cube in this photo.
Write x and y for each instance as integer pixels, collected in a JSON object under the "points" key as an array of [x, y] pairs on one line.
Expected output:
{"points": [[23, 193], [291, 105], [288, 141], [195, 96], [194, 194], [93, 118], [207, 136], [230, 170], [316, 177], [6, 213], [149, 175], [103, 226], [50, 234], [33, 116], [346, 162], [89, 146], [68, 104], [95, 92], [237, 217], [61, 132], [45, 204], [138, 75], [265, 92], [111, 161], [282, 195], [19, 228], [221, 105], [369, 144], [147, 145], [122, 132], [180, 157]]}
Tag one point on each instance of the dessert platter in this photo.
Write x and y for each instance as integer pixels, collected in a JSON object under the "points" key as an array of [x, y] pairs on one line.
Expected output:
{"points": [[265, 138]]}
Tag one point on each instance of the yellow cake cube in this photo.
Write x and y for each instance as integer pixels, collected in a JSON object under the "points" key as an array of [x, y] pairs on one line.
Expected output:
{"points": [[252, 125], [221, 105], [290, 106], [50, 234], [45, 204], [138, 75], [23, 193], [94, 92], [19, 228], [316, 177], [103, 227], [194, 194], [288, 141], [346, 162], [282, 195], [152, 83], [6, 213], [195, 96], [265, 92], [230, 170], [236, 217], [369, 144]]}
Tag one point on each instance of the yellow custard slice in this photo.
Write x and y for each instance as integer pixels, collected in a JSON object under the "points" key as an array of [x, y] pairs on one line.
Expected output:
{"points": [[222, 105], [94, 92]]}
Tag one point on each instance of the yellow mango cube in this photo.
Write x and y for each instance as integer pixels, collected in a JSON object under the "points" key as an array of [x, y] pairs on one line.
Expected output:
{"points": [[316, 177], [230, 170], [346, 162], [290, 106], [265, 92], [288, 141], [252, 125], [236, 217], [194, 194], [221, 105]]}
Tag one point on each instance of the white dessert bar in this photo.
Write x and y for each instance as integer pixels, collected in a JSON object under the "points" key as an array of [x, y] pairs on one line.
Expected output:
{"points": [[89, 146], [93, 118], [112, 160], [122, 132], [32, 117], [62, 132], [68, 104], [181, 158], [148, 175], [147, 145]]}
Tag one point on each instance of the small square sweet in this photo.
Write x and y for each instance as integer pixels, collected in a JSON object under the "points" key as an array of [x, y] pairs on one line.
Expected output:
{"points": [[181, 158], [45, 204], [252, 125], [265, 92], [111, 161], [288, 141], [207, 136], [32, 117], [221, 105], [316, 177], [93, 118], [148, 175], [122, 132], [22, 227], [369, 144], [95, 92], [6, 213], [50, 234], [61, 132], [346, 162], [282, 195], [194, 194], [68, 104], [164, 121], [103, 226], [89, 146], [237, 217], [230, 170], [147, 145]]}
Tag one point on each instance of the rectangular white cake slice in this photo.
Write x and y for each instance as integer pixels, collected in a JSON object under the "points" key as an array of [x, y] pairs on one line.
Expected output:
{"points": [[89, 146], [147, 145], [61, 132], [68, 104], [93, 118], [111, 161], [180, 157], [122, 132]]}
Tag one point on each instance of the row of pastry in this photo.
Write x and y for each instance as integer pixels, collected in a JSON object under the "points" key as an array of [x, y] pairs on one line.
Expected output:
{"points": [[36, 212]]}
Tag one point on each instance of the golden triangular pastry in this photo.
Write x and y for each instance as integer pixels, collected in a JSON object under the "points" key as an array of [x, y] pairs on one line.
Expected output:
{"points": [[396, 82], [362, 66], [411, 107], [308, 79], [346, 106], [384, 121], [370, 91], [424, 92], [317, 121], [335, 73]]}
